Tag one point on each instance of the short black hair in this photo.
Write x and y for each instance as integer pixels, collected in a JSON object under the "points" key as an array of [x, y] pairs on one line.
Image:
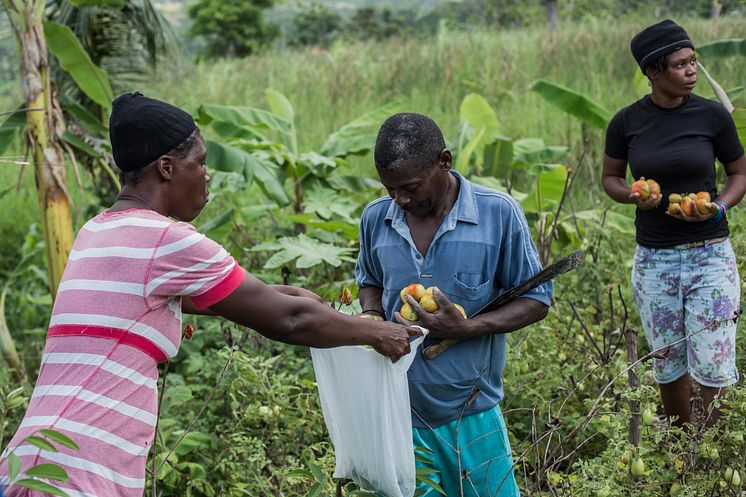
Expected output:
{"points": [[408, 138], [181, 151], [657, 66]]}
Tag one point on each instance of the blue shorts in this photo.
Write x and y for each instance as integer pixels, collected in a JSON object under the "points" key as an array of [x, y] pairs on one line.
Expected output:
{"points": [[682, 291], [486, 459]]}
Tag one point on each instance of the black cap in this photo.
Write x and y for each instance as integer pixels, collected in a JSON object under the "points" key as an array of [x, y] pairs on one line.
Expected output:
{"points": [[142, 129], [658, 40]]}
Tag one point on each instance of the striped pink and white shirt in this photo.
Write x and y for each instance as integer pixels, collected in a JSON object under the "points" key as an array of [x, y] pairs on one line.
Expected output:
{"points": [[116, 316]]}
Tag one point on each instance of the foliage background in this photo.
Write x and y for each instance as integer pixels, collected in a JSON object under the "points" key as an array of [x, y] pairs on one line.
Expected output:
{"points": [[262, 432]]}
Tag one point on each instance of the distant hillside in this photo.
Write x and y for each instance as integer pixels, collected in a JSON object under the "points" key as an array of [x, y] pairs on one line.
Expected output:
{"points": [[283, 13]]}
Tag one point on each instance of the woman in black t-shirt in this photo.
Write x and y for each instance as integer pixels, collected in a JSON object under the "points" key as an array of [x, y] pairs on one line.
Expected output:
{"points": [[684, 278]]}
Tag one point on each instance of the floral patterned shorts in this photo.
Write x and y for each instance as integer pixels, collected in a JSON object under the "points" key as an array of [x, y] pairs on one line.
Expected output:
{"points": [[692, 292]]}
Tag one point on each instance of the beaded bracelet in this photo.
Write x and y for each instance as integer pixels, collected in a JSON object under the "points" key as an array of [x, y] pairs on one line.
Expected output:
{"points": [[722, 210], [723, 205]]}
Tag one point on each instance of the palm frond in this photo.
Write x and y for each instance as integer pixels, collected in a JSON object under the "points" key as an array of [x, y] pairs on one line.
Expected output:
{"points": [[128, 42]]}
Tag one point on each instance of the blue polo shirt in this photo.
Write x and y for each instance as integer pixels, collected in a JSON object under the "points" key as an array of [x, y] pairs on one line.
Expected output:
{"points": [[482, 248]]}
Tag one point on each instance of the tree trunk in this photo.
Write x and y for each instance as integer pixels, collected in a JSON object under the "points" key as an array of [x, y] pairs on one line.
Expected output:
{"points": [[45, 124], [552, 16], [716, 9]]}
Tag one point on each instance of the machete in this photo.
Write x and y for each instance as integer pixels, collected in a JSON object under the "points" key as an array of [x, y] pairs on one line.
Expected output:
{"points": [[559, 267]]}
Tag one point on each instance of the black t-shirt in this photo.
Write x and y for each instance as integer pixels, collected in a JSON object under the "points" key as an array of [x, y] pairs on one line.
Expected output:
{"points": [[677, 148]]}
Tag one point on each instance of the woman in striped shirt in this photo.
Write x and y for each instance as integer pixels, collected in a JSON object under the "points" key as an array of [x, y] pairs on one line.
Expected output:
{"points": [[131, 273]]}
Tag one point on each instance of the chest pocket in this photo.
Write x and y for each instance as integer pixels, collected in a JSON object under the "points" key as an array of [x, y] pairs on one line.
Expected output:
{"points": [[472, 287]]}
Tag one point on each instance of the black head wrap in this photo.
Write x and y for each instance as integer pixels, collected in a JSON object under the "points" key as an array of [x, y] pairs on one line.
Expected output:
{"points": [[142, 129], [658, 40]]}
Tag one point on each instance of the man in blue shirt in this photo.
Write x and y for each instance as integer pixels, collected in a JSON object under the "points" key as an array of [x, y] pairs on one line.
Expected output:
{"points": [[472, 243]]}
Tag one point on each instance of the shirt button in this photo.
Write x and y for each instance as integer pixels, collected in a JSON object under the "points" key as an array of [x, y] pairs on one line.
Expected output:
{"points": [[419, 257]]}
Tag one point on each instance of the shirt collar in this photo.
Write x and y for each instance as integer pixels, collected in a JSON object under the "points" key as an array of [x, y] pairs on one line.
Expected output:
{"points": [[465, 207]]}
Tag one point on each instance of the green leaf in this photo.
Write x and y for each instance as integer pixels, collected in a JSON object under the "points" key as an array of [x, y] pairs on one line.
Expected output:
{"points": [[217, 221], [616, 221], [358, 136], [232, 159], [353, 184], [192, 441], [431, 483], [83, 116], [498, 158], [306, 251], [280, 105], [316, 471], [90, 78], [78, 143], [48, 471], [348, 229], [547, 189], [59, 438], [176, 395], [316, 490], [527, 151], [325, 203], [719, 49], [739, 116], [196, 471], [462, 161], [11, 128], [14, 466], [41, 443], [477, 111], [424, 450], [641, 83], [248, 117], [41, 487], [90, 3], [573, 103], [426, 471], [299, 473], [318, 164]]}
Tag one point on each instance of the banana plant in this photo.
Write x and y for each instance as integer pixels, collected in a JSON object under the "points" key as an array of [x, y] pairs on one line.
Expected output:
{"points": [[719, 49], [43, 123], [262, 145], [527, 168]]}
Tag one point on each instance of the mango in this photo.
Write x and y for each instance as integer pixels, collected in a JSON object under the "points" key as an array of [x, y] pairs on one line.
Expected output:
{"points": [[638, 468], [703, 205], [673, 208], [655, 188], [416, 290], [407, 313], [704, 195], [642, 188], [674, 198], [428, 303], [461, 309], [687, 206]]}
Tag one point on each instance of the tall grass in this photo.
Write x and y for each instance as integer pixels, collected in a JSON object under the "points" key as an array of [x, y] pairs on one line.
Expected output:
{"points": [[331, 87], [431, 76]]}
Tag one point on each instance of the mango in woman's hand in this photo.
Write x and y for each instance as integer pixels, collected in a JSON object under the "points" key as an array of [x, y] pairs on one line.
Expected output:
{"points": [[655, 188], [703, 205], [687, 206], [642, 188]]}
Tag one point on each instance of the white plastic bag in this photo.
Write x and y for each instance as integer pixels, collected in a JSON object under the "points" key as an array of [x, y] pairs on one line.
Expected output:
{"points": [[365, 401]]}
